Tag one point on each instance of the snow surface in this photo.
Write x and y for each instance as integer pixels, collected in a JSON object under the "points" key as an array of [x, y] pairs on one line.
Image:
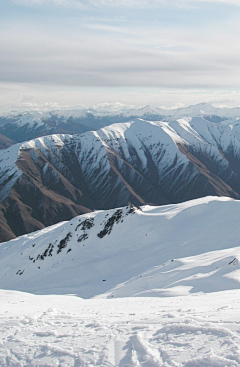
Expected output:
{"points": [[200, 330], [165, 283]]}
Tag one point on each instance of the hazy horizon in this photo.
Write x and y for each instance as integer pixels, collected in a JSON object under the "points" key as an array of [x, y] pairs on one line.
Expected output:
{"points": [[65, 53]]}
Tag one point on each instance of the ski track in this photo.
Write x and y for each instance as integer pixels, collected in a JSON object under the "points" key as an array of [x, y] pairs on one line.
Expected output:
{"points": [[200, 330]]}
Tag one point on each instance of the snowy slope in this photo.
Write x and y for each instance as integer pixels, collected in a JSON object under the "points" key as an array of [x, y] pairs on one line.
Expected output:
{"points": [[9, 172], [209, 272], [170, 250]]}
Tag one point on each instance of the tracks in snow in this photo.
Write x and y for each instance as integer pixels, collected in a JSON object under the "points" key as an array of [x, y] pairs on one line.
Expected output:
{"points": [[191, 331]]}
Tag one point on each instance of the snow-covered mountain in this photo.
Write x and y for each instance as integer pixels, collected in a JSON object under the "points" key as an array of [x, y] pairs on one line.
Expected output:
{"points": [[147, 251], [20, 127], [163, 281], [57, 177]]}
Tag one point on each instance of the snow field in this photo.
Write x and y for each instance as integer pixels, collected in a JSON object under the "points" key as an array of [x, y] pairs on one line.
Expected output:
{"points": [[200, 330]]}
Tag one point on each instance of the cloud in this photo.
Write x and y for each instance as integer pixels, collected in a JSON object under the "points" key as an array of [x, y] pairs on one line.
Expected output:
{"points": [[156, 3], [147, 58], [121, 3], [90, 51], [13, 96], [57, 3]]}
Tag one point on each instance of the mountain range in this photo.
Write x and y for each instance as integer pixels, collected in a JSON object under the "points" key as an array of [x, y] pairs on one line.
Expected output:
{"points": [[56, 177], [18, 127], [125, 259]]}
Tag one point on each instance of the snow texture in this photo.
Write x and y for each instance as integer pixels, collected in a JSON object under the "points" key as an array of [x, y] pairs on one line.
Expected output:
{"points": [[200, 330]]}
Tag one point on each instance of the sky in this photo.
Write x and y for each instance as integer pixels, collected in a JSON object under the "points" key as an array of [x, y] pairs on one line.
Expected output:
{"points": [[74, 53]]}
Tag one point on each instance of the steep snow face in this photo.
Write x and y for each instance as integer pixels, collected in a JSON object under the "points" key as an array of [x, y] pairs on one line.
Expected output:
{"points": [[203, 135], [9, 172], [148, 148], [169, 250], [141, 141], [200, 135], [88, 150], [51, 144]]}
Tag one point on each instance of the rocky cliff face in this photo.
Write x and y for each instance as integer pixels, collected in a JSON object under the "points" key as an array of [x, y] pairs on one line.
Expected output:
{"points": [[57, 177]]}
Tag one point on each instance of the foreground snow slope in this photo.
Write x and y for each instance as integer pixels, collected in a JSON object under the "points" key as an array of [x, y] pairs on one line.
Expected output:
{"points": [[200, 330], [170, 250]]}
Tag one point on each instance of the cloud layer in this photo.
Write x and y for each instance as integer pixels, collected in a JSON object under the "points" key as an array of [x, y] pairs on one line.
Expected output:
{"points": [[121, 3], [131, 44], [122, 57]]}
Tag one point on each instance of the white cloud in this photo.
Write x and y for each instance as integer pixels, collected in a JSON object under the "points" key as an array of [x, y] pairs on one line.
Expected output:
{"points": [[145, 58], [80, 52], [154, 3], [121, 3], [38, 97], [58, 3]]}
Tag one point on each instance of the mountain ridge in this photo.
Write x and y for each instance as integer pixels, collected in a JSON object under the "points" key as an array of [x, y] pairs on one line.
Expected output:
{"points": [[57, 177], [23, 126], [164, 252]]}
